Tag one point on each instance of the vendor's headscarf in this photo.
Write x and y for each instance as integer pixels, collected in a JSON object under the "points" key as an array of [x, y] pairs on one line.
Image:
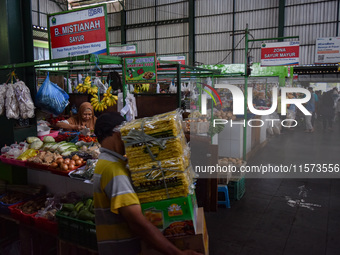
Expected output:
{"points": [[77, 120]]}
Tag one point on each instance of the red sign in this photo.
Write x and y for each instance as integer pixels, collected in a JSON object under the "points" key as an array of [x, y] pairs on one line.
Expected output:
{"points": [[78, 32], [281, 53]]}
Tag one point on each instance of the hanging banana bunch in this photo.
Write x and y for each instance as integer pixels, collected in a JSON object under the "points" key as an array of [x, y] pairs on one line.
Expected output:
{"points": [[92, 90], [145, 87], [84, 87], [139, 88], [98, 105], [109, 99]]}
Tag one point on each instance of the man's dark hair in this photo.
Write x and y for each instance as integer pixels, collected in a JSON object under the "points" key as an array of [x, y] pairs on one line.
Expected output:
{"points": [[106, 123], [113, 79]]}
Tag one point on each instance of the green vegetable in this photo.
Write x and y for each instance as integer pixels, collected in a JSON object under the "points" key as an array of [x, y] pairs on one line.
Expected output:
{"points": [[31, 139], [68, 151], [86, 215], [78, 206], [68, 207], [65, 213], [47, 146], [55, 146], [91, 209], [48, 139], [66, 146], [37, 144], [88, 204], [215, 130], [73, 214]]}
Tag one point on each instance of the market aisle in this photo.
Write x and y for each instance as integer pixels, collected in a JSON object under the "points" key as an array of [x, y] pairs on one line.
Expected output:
{"points": [[263, 222]]}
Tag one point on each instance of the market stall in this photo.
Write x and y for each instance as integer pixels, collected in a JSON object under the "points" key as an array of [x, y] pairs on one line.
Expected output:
{"points": [[63, 162]]}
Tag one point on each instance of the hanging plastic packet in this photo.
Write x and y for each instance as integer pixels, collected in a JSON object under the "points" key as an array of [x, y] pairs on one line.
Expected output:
{"points": [[2, 97], [51, 97], [24, 99], [101, 87], [12, 105]]}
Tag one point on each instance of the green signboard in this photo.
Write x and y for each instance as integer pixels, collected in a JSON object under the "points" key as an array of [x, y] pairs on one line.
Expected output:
{"points": [[140, 69]]}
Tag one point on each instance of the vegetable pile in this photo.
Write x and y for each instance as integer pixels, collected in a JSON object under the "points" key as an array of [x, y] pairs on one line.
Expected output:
{"points": [[82, 210], [67, 164]]}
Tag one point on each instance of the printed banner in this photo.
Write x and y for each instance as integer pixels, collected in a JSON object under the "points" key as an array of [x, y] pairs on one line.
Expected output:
{"points": [[280, 54], [78, 33], [140, 69], [327, 50], [123, 50], [179, 59]]}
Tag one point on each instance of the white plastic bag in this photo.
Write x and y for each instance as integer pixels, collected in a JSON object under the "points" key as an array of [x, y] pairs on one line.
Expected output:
{"points": [[12, 105], [130, 108], [172, 88], [101, 87], [2, 98], [24, 99]]}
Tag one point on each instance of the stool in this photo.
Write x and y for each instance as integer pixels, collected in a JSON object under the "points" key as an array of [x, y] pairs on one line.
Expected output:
{"points": [[224, 189]]}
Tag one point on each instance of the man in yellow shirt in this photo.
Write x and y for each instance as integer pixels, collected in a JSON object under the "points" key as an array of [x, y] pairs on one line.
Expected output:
{"points": [[120, 223]]}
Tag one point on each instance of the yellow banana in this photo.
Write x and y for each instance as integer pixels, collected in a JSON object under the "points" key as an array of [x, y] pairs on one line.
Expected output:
{"points": [[93, 90]]}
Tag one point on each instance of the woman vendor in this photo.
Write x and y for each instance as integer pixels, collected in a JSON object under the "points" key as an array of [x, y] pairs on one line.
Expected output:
{"points": [[84, 119]]}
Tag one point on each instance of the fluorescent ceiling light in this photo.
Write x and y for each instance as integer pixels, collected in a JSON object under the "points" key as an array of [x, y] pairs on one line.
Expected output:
{"points": [[85, 5]]}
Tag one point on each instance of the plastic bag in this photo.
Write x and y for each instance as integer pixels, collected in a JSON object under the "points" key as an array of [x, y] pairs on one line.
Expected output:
{"points": [[25, 101], [51, 97], [12, 105], [2, 98], [101, 87], [68, 85]]}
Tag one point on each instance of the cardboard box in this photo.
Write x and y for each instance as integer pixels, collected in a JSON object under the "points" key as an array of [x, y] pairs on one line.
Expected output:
{"points": [[198, 242], [173, 217]]}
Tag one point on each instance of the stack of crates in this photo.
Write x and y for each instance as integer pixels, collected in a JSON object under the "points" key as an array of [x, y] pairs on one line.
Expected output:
{"points": [[237, 188]]}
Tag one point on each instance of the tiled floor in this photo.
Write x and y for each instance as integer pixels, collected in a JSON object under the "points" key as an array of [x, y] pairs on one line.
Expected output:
{"points": [[263, 223]]}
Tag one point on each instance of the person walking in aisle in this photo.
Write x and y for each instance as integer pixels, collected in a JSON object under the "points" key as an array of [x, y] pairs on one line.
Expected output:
{"points": [[291, 112], [327, 109], [316, 99], [317, 104], [120, 223], [278, 110], [310, 106]]}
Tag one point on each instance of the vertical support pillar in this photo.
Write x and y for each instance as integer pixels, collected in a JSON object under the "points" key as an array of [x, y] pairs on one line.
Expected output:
{"points": [[281, 28], [337, 18], [16, 46], [245, 96], [192, 50], [156, 42], [123, 26], [233, 34], [179, 96]]}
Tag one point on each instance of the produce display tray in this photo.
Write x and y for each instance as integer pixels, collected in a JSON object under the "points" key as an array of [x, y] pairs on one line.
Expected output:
{"points": [[53, 133], [4, 208], [17, 214], [77, 231], [46, 225], [16, 162], [37, 166], [64, 173]]}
